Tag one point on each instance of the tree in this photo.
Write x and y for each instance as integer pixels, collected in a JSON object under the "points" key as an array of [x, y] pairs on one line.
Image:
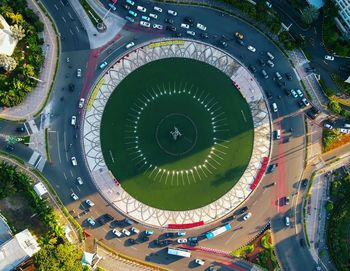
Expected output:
{"points": [[18, 32], [7, 62], [334, 106], [310, 14], [329, 206], [16, 18]]}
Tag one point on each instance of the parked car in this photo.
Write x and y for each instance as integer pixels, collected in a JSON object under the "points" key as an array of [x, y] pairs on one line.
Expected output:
{"points": [[148, 232], [247, 216], [154, 16], [90, 203], [74, 161], [142, 9], [182, 241], [204, 35], [201, 27], [130, 2], [330, 58], [181, 233], [169, 21], [145, 18], [199, 261], [252, 68], [294, 94], [171, 28], [91, 221], [129, 45], [81, 102], [74, 196], [305, 101], [158, 9], [103, 219], [172, 12], [20, 129], [344, 131], [328, 126], [135, 230], [117, 233], [127, 7], [157, 26], [251, 48], [145, 24], [186, 26], [288, 76], [272, 168], [300, 93], [242, 210], [132, 13], [189, 20], [190, 32], [80, 180], [126, 232]]}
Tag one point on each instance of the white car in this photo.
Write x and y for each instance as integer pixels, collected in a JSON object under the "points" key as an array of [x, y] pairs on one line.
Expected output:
{"points": [[295, 95], [129, 45], [117, 233], [80, 180], [247, 216], [186, 26], [135, 230], [154, 16], [74, 196], [189, 32], [201, 27], [81, 102], [91, 221], [344, 131], [171, 12], [330, 58], [158, 26], [158, 9], [126, 232], [73, 120], [274, 107], [142, 9], [74, 161], [145, 24], [328, 126], [199, 261], [306, 102], [78, 73], [182, 241], [90, 203], [251, 48], [300, 93]]}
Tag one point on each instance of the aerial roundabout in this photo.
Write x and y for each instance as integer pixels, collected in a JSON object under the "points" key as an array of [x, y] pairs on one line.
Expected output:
{"points": [[175, 133]]}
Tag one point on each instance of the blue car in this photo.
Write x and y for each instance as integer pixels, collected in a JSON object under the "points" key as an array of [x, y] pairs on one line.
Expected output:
{"points": [[112, 7], [132, 13], [130, 2], [148, 232], [181, 233], [145, 18], [103, 65], [193, 239], [130, 19]]}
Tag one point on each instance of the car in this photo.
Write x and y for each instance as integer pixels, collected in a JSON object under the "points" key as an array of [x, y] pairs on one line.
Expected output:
{"points": [[270, 63], [126, 232], [328, 126], [204, 35], [130, 2], [240, 42], [145, 24], [223, 43], [304, 182], [171, 28], [305, 102], [73, 120], [302, 242], [301, 104], [91, 221], [239, 35], [129, 45], [264, 74], [132, 13], [103, 219], [132, 20], [199, 261], [287, 221], [90, 203], [67, 59], [190, 32], [78, 73], [272, 168], [278, 76], [158, 9], [315, 110], [193, 239], [71, 87], [74, 196], [144, 238], [201, 27], [10, 147], [288, 76], [286, 91], [142, 9], [20, 129], [80, 180], [172, 12], [181, 233], [294, 94], [74, 161], [169, 21], [212, 268], [251, 48], [261, 61], [146, 18], [117, 233], [268, 4], [134, 230], [81, 102], [311, 114], [300, 93], [186, 26], [154, 16], [128, 221], [157, 26], [242, 210], [148, 232], [247, 216], [287, 200], [169, 234], [182, 241], [127, 7], [344, 131], [103, 64], [131, 241], [162, 243], [330, 58], [189, 20], [252, 68], [112, 6]]}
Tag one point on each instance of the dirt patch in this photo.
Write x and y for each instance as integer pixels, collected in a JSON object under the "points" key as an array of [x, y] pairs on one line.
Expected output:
{"points": [[20, 215], [342, 140]]}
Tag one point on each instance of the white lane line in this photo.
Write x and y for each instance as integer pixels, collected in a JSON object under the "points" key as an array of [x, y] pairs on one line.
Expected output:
{"points": [[77, 28], [56, 7], [70, 30], [64, 174], [254, 203], [70, 15], [78, 188], [71, 173], [63, 19], [65, 145], [58, 148]]}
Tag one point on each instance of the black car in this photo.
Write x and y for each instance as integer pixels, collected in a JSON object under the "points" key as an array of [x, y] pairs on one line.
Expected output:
{"points": [[252, 68], [169, 234], [127, 7], [103, 219], [304, 182], [189, 20], [131, 241], [261, 62], [171, 28], [288, 76], [204, 35], [242, 210], [287, 92], [268, 95], [223, 43], [20, 129], [315, 110], [71, 87], [272, 168], [302, 242], [310, 114], [227, 219], [10, 147], [169, 21]]}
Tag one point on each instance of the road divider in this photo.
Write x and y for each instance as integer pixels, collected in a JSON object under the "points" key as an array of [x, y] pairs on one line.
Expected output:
{"points": [[260, 173]]}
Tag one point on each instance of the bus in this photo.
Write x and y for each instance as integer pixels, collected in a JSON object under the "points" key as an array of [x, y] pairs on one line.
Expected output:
{"points": [[179, 252], [217, 231]]}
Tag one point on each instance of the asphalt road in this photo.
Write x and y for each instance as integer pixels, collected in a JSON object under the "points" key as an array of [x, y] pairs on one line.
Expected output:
{"points": [[263, 203]]}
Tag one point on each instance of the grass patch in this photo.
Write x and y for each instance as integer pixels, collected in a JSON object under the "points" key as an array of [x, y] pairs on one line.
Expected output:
{"points": [[94, 17], [152, 166], [25, 140], [47, 144], [243, 251], [332, 139]]}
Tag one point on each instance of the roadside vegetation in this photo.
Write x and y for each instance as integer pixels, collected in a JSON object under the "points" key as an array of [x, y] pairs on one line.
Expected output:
{"points": [[94, 18], [56, 252], [17, 71], [338, 226], [332, 139], [260, 251]]}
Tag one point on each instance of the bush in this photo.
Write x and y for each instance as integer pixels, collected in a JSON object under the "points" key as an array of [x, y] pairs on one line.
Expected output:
{"points": [[287, 40], [334, 106], [329, 206]]}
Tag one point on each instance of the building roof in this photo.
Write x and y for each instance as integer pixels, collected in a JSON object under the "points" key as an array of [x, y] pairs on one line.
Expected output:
{"points": [[7, 42], [40, 189], [21, 247]]}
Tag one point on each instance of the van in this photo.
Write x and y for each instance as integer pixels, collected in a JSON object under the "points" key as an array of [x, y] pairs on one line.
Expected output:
{"points": [[264, 73], [278, 76], [270, 63], [287, 221], [271, 57], [278, 134], [347, 125]]}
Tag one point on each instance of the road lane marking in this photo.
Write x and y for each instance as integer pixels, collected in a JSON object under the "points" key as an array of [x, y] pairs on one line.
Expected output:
{"points": [[70, 30], [56, 7], [64, 174], [71, 173], [58, 148], [70, 15], [63, 19], [77, 28]]}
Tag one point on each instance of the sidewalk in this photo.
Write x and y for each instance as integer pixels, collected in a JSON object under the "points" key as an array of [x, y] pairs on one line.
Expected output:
{"points": [[36, 99], [113, 22]]}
